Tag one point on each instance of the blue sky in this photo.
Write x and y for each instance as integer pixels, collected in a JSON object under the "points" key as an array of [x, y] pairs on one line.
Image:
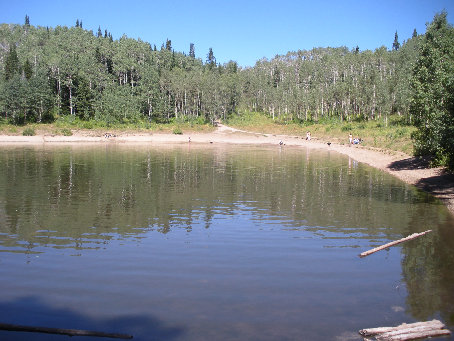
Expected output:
{"points": [[244, 31]]}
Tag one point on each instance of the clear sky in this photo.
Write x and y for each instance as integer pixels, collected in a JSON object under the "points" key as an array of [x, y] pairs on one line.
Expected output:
{"points": [[240, 30]]}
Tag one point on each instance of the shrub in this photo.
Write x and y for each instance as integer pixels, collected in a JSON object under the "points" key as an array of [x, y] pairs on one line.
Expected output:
{"points": [[66, 132], [347, 127], [29, 131], [177, 131]]}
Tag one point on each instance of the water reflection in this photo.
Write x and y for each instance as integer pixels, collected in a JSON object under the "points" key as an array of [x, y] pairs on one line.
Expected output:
{"points": [[266, 235], [70, 197]]}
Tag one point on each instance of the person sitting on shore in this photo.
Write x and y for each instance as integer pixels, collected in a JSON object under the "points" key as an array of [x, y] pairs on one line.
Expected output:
{"points": [[357, 140]]}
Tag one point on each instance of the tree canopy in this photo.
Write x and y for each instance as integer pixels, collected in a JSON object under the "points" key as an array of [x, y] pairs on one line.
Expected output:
{"points": [[433, 92]]}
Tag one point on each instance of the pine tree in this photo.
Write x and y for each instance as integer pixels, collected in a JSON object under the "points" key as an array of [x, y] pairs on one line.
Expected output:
{"points": [[99, 32], [211, 60], [105, 34], [27, 21], [80, 24], [191, 50], [11, 62], [396, 44], [28, 71], [77, 23], [415, 34], [169, 45]]}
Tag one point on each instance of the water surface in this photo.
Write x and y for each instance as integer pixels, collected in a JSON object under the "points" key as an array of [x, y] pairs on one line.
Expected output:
{"points": [[215, 243]]}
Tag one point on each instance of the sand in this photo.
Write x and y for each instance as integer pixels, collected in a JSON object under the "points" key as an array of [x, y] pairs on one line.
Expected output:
{"points": [[412, 170]]}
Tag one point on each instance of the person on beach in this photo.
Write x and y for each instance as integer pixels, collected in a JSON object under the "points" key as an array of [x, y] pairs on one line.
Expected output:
{"points": [[350, 138], [308, 136]]}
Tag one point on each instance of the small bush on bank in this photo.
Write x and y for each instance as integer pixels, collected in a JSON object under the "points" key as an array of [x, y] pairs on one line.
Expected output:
{"points": [[29, 131], [177, 131], [66, 132]]}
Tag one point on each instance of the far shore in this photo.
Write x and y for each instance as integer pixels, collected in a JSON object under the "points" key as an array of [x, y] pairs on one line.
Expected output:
{"points": [[412, 170]]}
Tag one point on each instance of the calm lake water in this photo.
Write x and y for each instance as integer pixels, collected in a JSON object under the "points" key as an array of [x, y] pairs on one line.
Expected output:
{"points": [[215, 243]]}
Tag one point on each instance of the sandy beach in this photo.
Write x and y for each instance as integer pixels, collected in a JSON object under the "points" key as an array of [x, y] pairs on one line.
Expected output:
{"points": [[412, 170]]}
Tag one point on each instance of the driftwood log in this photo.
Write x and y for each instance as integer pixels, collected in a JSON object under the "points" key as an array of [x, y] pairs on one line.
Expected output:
{"points": [[412, 331], [382, 247], [60, 331]]}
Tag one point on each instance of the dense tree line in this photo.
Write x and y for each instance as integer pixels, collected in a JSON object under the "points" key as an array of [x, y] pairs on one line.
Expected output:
{"points": [[52, 72], [47, 72], [71, 71]]}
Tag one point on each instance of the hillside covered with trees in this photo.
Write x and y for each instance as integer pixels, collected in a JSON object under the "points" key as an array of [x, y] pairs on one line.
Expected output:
{"points": [[47, 73]]}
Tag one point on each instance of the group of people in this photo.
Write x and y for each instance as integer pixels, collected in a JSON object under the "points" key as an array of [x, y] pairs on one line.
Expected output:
{"points": [[355, 140], [351, 140]]}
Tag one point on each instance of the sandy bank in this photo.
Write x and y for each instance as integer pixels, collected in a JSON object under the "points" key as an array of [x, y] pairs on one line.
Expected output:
{"points": [[411, 170]]}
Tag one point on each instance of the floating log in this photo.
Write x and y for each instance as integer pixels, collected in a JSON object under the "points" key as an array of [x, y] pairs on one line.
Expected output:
{"points": [[379, 248], [60, 331], [412, 331]]}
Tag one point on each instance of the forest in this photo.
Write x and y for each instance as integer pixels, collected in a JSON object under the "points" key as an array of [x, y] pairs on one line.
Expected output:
{"points": [[49, 73]]}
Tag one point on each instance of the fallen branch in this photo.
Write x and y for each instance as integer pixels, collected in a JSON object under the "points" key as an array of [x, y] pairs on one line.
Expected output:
{"points": [[70, 332], [412, 331], [410, 237]]}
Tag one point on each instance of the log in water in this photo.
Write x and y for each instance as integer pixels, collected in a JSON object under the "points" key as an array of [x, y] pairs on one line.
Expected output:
{"points": [[60, 331], [382, 247], [405, 331]]}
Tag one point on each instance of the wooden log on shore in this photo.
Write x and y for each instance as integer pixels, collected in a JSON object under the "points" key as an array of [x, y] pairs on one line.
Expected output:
{"points": [[60, 331], [382, 247], [412, 331]]}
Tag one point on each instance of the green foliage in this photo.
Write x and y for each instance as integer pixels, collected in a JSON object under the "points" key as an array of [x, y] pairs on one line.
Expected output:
{"points": [[12, 63], [28, 71], [396, 44], [432, 102], [66, 132], [29, 131], [177, 131], [347, 127]]}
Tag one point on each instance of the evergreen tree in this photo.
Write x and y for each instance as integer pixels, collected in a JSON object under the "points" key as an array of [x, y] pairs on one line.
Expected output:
{"points": [[168, 45], [211, 60], [77, 23], [396, 44], [415, 34], [80, 24], [28, 71], [11, 62], [99, 32], [27, 21], [433, 93], [191, 50], [105, 34]]}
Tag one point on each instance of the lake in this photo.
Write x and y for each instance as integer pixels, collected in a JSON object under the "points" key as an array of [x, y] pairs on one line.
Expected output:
{"points": [[192, 242]]}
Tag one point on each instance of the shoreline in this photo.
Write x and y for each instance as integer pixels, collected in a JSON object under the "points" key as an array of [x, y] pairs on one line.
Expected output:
{"points": [[411, 170]]}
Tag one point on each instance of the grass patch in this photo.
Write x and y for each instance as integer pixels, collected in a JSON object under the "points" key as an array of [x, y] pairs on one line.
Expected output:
{"points": [[375, 134], [29, 131], [66, 132], [177, 131]]}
